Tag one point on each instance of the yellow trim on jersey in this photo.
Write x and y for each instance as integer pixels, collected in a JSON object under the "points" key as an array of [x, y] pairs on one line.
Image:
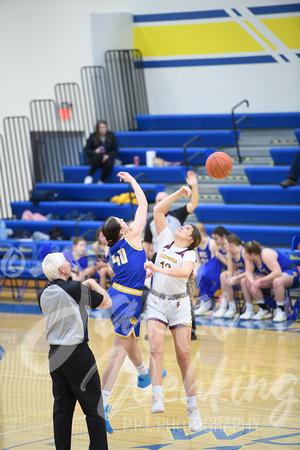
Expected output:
{"points": [[127, 290], [137, 248], [126, 337]]}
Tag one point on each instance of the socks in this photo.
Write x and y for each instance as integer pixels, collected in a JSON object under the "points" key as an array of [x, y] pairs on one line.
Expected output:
{"points": [[280, 305], [157, 389], [105, 397], [191, 401], [261, 303], [142, 369], [249, 307]]}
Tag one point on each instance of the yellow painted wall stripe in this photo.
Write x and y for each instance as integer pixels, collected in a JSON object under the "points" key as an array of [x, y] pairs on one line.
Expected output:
{"points": [[260, 35], [194, 39], [287, 29]]}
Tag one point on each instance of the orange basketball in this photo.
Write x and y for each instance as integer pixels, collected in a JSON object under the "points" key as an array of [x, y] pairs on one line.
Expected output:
{"points": [[218, 165]]}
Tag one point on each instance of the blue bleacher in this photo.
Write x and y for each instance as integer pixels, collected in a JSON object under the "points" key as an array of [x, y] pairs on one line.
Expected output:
{"points": [[272, 214], [102, 210], [67, 226], [174, 138], [267, 175], [260, 194], [217, 121], [172, 174], [126, 155], [79, 191], [272, 236], [284, 155], [297, 134]]}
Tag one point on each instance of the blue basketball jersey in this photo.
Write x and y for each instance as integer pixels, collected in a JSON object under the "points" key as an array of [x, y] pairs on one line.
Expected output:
{"points": [[127, 263], [126, 291], [205, 254], [282, 260], [240, 263]]}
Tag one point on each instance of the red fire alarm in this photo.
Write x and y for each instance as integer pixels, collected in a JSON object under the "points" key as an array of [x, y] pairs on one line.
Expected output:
{"points": [[65, 111]]}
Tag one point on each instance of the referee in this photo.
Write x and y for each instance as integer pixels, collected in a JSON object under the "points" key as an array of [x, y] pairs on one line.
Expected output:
{"points": [[65, 306]]}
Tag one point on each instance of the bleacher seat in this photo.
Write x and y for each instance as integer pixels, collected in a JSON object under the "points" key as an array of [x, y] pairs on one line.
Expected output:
{"points": [[260, 233], [173, 174], [101, 210], [266, 175], [79, 191], [283, 155], [88, 229], [216, 121], [260, 214], [260, 194], [175, 138], [198, 155]]}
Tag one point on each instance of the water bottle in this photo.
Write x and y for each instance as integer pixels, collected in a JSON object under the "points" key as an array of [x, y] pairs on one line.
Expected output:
{"points": [[2, 229]]}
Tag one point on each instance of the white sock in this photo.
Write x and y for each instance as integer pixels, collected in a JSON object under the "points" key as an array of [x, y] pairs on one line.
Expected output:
{"points": [[191, 401], [157, 389], [105, 397], [142, 369], [249, 307], [232, 306]]}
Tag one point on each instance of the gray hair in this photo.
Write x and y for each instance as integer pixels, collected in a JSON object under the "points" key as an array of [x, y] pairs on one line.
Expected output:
{"points": [[51, 264]]}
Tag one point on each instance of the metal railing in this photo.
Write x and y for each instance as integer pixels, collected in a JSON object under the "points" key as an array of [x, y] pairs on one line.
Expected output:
{"points": [[72, 120], [17, 165], [186, 159], [235, 123], [95, 96], [127, 88]]}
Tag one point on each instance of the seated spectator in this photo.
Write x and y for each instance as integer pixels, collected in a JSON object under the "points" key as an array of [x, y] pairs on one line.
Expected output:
{"points": [[78, 259], [100, 151], [267, 268], [234, 275], [208, 275], [207, 248], [101, 265], [294, 173]]}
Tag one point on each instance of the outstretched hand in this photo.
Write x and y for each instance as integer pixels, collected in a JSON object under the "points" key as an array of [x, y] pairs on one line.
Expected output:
{"points": [[191, 178], [125, 176]]}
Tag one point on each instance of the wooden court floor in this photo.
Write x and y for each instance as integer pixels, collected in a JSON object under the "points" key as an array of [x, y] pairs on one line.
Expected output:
{"points": [[247, 389]]}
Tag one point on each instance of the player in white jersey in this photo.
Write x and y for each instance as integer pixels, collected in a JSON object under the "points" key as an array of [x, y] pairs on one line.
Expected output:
{"points": [[168, 304]]}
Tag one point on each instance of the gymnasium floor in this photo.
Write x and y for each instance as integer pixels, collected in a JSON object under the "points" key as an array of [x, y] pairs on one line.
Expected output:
{"points": [[247, 387]]}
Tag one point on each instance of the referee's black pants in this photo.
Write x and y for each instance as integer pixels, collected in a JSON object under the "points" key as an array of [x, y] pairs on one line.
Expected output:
{"points": [[75, 377]]}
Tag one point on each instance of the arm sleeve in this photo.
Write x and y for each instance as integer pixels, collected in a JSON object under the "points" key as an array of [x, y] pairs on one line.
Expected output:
{"points": [[180, 214], [190, 256]]}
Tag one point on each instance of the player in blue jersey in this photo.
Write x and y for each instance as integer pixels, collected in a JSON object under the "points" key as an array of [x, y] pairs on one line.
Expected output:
{"points": [[126, 255], [275, 271], [234, 275]]}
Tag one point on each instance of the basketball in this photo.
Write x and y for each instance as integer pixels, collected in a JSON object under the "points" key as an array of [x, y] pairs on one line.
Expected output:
{"points": [[218, 165]]}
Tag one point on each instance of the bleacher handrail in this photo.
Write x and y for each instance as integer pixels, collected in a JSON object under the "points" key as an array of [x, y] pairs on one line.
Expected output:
{"points": [[185, 145], [235, 123]]}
